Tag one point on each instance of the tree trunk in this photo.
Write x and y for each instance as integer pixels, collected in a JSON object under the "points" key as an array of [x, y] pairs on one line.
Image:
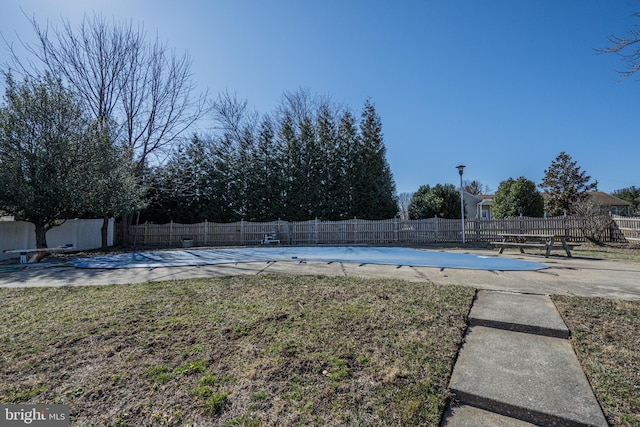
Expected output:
{"points": [[103, 231], [126, 221], [41, 235]]}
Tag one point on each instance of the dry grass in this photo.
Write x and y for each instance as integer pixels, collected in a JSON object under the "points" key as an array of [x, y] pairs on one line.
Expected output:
{"points": [[237, 351], [606, 336], [623, 252]]}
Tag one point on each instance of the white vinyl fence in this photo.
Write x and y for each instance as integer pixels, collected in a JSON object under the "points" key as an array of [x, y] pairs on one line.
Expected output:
{"points": [[83, 234]]}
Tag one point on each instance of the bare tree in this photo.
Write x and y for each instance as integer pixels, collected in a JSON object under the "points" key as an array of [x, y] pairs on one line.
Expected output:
{"points": [[92, 60], [628, 48], [475, 187], [142, 88], [231, 116], [404, 200], [139, 93], [156, 98], [594, 219]]}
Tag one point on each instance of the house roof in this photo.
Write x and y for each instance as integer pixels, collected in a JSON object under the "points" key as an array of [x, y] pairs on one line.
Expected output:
{"points": [[606, 199], [600, 197]]}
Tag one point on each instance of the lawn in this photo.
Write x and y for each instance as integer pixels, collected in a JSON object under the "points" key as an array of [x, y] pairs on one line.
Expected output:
{"points": [[236, 351], [606, 337], [626, 253]]}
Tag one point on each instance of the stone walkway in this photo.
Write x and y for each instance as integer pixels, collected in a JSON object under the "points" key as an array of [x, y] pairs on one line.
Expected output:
{"points": [[518, 368]]}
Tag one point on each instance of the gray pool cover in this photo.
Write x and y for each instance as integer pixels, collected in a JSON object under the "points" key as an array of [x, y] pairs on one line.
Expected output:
{"points": [[351, 254]]}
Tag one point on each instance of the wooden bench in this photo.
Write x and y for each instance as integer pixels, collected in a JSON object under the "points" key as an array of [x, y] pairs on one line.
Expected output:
{"points": [[548, 242], [37, 254]]}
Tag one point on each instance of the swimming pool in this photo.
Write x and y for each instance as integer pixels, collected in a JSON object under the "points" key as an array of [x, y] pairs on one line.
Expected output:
{"points": [[348, 254]]}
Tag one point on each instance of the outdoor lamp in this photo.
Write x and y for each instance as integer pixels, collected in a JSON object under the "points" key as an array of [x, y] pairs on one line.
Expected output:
{"points": [[460, 171]]}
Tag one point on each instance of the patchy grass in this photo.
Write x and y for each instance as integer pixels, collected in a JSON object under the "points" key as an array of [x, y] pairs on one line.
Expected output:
{"points": [[246, 351], [626, 253], [606, 336]]}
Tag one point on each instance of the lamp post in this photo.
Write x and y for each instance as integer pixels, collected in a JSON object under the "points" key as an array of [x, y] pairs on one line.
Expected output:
{"points": [[460, 170]]}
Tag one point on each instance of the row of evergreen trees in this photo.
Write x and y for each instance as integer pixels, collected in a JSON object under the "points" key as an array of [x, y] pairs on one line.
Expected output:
{"points": [[307, 160]]}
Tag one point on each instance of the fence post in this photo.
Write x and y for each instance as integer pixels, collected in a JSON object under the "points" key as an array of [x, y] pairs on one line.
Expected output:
{"points": [[315, 231], [206, 231], [396, 231], [171, 233], [521, 224], [242, 232], [356, 237]]}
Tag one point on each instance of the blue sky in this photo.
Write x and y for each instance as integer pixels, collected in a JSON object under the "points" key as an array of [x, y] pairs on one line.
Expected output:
{"points": [[502, 86]]}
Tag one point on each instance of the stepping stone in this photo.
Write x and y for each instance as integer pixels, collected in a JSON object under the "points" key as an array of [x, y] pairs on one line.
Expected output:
{"points": [[529, 377], [534, 314]]}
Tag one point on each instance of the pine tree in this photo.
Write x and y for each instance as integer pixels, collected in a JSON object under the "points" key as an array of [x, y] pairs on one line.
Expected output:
{"points": [[564, 184], [268, 170], [374, 194], [345, 161], [294, 172], [327, 167]]}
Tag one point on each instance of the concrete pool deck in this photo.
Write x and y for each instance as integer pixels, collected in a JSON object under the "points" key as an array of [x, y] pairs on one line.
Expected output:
{"points": [[565, 276]]}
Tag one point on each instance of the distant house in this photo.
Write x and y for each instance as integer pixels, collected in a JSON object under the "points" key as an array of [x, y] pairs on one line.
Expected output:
{"points": [[613, 204], [479, 206]]}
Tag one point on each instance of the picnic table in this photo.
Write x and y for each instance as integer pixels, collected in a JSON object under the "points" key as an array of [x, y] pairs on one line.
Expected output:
{"points": [[36, 253], [548, 242]]}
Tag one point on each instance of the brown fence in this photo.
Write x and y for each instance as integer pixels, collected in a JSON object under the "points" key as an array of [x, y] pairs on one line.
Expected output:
{"points": [[357, 231]]}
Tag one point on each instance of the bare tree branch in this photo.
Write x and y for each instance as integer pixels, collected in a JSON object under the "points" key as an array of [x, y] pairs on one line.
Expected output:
{"points": [[142, 91], [628, 48]]}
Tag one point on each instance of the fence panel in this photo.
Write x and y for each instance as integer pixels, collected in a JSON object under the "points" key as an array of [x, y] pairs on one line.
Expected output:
{"points": [[358, 231], [629, 226], [83, 234]]}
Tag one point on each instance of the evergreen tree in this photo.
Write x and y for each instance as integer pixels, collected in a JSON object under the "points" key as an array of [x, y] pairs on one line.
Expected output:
{"points": [[308, 164], [346, 159], [374, 189], [517, 197], [442, 201], [294, 172], [250, 193], [45, 154], [182, 189], [564, 184], [309, 184], [268, 171], [327, 166], [111, 186], [225, 176]]}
